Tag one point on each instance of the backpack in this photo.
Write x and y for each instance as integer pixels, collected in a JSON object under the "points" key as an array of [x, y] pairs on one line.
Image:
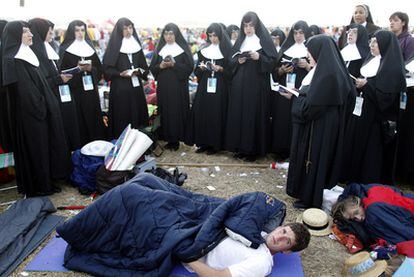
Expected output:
{"points": [[175, 178]]}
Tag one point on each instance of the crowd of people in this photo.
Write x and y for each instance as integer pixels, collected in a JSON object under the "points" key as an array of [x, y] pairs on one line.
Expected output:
{"points": [[350, 120]]}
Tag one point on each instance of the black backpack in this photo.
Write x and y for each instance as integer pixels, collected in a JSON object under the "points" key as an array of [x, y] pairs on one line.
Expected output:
{"points": [[175, 178]]}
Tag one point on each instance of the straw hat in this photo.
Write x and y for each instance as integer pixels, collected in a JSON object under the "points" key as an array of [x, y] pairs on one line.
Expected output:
{"points": [[318, 222], [361, 265], [97, 148]]}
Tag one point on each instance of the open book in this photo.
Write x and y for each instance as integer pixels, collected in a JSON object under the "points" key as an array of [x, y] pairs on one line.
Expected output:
{"points": [[168, 59], [131, 71], [208, 66], [85, 62], [238, 54], [293, 62], [72, 70], [286, 89]]}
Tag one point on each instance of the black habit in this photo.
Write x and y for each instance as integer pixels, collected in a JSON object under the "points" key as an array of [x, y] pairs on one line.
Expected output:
{"points": [[209, 109], [127, 103], [318, 118], [48, 65], [405, 157], [281, 134], [248, 116], [89, 114], [369, 158], [172, 87], [40, 149]]}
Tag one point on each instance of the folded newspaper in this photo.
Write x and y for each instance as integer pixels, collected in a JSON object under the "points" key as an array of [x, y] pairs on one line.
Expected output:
{"points": [[129, 147]]}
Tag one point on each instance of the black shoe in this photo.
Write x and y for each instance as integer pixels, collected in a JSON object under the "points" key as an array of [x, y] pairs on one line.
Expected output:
{"points": [[298, 204], [211, 151], [175, 146], [44, 193], [250, 158], [201, 149], [238, 155], [56, 189]]}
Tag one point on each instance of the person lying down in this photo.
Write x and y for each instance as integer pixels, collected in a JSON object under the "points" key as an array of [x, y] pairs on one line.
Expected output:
{"points": [[147, 225]]}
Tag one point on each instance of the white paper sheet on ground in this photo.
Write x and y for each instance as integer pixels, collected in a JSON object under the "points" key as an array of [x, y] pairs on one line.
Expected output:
{"points": [[125, 148], [141, 144]]}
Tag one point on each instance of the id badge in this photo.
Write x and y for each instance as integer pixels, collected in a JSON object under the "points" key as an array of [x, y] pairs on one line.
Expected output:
{"points": [[87, 82], [358, 106], [211, 85], [135, 81], [64, 92], [403, 100], [290, 80]]}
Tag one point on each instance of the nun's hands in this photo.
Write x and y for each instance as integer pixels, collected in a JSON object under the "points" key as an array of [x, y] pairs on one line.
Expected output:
{"points": [[165, 64], [285, 68], [217, 68], [254, 55], [66, 77], [85, 67], [360, 82], [125, 74], [303, 63], [242, 60], [287, 95]]}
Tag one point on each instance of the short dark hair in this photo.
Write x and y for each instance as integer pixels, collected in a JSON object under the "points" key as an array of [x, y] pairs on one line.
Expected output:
{"points": [[403, 17], [302, 236]]}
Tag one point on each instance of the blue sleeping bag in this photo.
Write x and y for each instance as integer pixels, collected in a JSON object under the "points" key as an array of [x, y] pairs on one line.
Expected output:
{"points": [[147, 225]]}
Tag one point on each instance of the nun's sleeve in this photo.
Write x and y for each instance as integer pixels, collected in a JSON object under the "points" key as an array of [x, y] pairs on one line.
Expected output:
{"points": [[302, 112], [142, 63], [382, 99], [183, 69], [155, 66], [97, 69], [267, 64], [198, 71]]}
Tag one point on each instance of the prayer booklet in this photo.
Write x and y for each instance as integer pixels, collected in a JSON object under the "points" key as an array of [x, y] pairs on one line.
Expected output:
{"points": [[169, 58], [285, 89], [85, 62], [238, 54], [138, 69], [72, 70]]}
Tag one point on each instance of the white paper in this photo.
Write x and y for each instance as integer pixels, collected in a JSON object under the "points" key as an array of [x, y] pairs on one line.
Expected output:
{"points": [[138, 148], [211, 188]]}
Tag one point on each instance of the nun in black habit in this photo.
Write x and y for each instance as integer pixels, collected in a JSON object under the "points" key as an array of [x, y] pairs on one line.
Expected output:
{"points": [[77, 50], [278, 37], [405, 164], [233, 33], [291, 68], [42, 30], [368, 132], [209, 110], [5, 124], [362, 15], [356, 50], [248, 119], [40, 149], [171, 66], [319, 117], [125, 66]]}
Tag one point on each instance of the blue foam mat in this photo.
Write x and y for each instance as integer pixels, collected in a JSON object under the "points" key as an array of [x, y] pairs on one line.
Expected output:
{"points": [[50, 258]]}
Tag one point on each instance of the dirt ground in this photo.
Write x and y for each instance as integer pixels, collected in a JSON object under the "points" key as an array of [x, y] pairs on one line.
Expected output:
{"points": [[323, 257]]}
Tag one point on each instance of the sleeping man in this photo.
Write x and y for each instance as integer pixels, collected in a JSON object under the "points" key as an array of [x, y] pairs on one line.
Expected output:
{"points": [[147, 225]]}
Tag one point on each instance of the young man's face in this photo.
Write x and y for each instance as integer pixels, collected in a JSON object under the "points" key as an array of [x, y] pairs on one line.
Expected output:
{"points": [[281, 239]]}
